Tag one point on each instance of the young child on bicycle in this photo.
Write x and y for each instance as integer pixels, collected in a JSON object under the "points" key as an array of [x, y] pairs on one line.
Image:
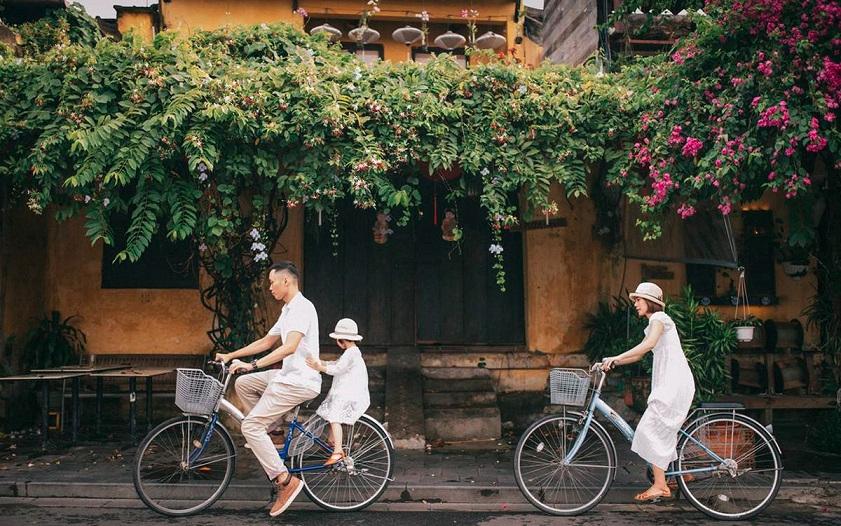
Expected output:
{"points": [[348, 398], [672, 388]]}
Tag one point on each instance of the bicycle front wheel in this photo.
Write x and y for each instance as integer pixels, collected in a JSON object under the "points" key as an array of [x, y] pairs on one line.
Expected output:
{"points": [[174, 476], [747, 480], [359, 479], [554, 485]]}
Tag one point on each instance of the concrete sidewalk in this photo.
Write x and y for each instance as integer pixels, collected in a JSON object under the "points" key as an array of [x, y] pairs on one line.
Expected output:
{"points": [[471, 477]]}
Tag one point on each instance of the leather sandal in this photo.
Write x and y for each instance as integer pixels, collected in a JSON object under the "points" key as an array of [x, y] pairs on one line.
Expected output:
{"points": [[335, 457], [653, 495]]}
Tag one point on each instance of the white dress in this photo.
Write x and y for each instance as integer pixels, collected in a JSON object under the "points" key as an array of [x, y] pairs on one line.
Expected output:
{"points": [[348, 398], [672, 392]]}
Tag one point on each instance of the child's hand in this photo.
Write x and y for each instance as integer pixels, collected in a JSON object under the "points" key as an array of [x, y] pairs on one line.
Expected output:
{"points": [[315, 364]]}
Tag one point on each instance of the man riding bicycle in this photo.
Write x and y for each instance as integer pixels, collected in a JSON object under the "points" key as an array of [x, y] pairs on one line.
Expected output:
{"points": [[267, 395]]}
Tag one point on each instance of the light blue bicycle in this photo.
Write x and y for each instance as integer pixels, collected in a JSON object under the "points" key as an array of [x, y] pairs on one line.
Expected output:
{"points": [[728, 465]]}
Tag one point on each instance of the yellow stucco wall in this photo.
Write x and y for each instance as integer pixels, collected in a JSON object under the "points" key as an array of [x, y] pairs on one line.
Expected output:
{"points": [[567, 272], [63, 272], [140, 21], [496, 15]]}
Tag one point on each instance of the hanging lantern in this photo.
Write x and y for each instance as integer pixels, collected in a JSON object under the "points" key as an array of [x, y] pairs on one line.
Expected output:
{"points": [[334, 33], [489, 40], [363, 35], [450, 40], [381, 230], [450, 230], [407, 35]]}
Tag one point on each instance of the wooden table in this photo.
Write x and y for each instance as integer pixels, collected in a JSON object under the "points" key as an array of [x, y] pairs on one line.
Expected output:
{"points": [[82, 368], [132, 374], [45, 378]]}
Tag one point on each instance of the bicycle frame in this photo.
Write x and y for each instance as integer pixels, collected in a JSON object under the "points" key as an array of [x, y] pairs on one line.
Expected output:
{"points": [[226, 406], [597, 405]]}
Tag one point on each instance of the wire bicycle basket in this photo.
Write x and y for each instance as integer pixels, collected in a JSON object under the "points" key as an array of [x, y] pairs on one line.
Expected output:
{"points": [[196, 392], [568, 386]]}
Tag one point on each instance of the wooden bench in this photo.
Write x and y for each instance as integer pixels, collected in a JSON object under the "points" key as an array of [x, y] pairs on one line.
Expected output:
{"points": [[768, 402]]}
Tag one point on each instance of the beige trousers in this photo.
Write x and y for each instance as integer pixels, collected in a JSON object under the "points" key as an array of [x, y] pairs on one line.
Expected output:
{"points": [[265, 400]]}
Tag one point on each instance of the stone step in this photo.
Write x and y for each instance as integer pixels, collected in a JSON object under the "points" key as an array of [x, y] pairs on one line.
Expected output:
{"points": [[435, 385], [456, 424], [455, 373], [460, 399]]}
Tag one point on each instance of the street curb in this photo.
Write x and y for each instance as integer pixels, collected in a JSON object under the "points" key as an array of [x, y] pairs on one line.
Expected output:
{"points": [[397, 494]]}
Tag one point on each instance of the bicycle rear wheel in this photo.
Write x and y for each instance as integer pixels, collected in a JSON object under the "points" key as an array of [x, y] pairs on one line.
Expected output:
{"points": [[745, 483], [169, 474], [359, 479], [551, 484]]}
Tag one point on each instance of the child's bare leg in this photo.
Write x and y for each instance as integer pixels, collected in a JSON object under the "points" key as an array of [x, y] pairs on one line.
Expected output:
{"points": [[336, 434]]}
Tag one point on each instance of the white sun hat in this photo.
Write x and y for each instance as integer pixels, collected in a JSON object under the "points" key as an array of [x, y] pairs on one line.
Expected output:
{"points": [[346, 329], [648, 291]]}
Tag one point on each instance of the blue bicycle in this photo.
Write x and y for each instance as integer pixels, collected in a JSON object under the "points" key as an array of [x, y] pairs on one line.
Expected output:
{"points": [[728, 465], [185, 464]]}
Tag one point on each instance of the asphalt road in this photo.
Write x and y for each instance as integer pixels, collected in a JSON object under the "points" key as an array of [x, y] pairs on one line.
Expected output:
{"points": [[780, 513]]}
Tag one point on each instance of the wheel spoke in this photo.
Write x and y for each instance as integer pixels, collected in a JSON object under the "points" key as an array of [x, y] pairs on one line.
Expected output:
{"points": [[358, 480], [551, 483], [165, 479], [748, 479]]}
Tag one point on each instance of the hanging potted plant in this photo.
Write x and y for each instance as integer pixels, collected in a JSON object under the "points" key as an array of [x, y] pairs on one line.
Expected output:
{"points": [[743, 320], [793, 253], [794, 259]]}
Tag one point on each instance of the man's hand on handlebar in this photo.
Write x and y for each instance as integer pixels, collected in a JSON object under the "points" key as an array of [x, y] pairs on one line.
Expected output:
{"points": [[222, 357], [238, 367]]}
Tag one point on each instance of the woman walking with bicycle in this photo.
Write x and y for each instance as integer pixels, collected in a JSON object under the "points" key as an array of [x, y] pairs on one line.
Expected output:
{"points": [[672, 388]]}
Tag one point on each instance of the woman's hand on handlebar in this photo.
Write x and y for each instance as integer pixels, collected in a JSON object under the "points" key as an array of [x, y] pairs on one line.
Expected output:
{"points": [[609, 363]]}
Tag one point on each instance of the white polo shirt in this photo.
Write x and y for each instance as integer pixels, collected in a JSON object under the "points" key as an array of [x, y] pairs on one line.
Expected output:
{"points": [[299, 315]]}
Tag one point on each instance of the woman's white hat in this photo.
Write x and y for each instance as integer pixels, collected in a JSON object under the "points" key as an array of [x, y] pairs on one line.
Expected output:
{"points": [[648, 291], [346, 329]]}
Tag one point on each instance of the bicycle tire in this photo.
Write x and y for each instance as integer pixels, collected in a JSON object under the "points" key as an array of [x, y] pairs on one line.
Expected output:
{"points": [[559, 489], [163, 477], [360, 479], [754, 477]]}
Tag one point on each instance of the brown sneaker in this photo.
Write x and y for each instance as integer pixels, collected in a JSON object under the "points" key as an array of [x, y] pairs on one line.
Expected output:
{"points": [[286, 493]]}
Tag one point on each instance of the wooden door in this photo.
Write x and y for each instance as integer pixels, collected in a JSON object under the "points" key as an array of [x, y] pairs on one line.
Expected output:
{"points": [[416, 288]]}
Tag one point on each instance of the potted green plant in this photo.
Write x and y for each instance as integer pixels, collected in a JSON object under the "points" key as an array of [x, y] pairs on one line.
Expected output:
{"points": [[706, 340], [53, 342]]}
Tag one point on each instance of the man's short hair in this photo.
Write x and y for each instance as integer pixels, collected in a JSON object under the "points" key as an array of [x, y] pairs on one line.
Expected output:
{"points": [[288, 266]]}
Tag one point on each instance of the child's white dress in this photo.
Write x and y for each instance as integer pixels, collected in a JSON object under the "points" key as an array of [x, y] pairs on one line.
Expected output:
{"points": [[348, 398], [672, 392]]}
